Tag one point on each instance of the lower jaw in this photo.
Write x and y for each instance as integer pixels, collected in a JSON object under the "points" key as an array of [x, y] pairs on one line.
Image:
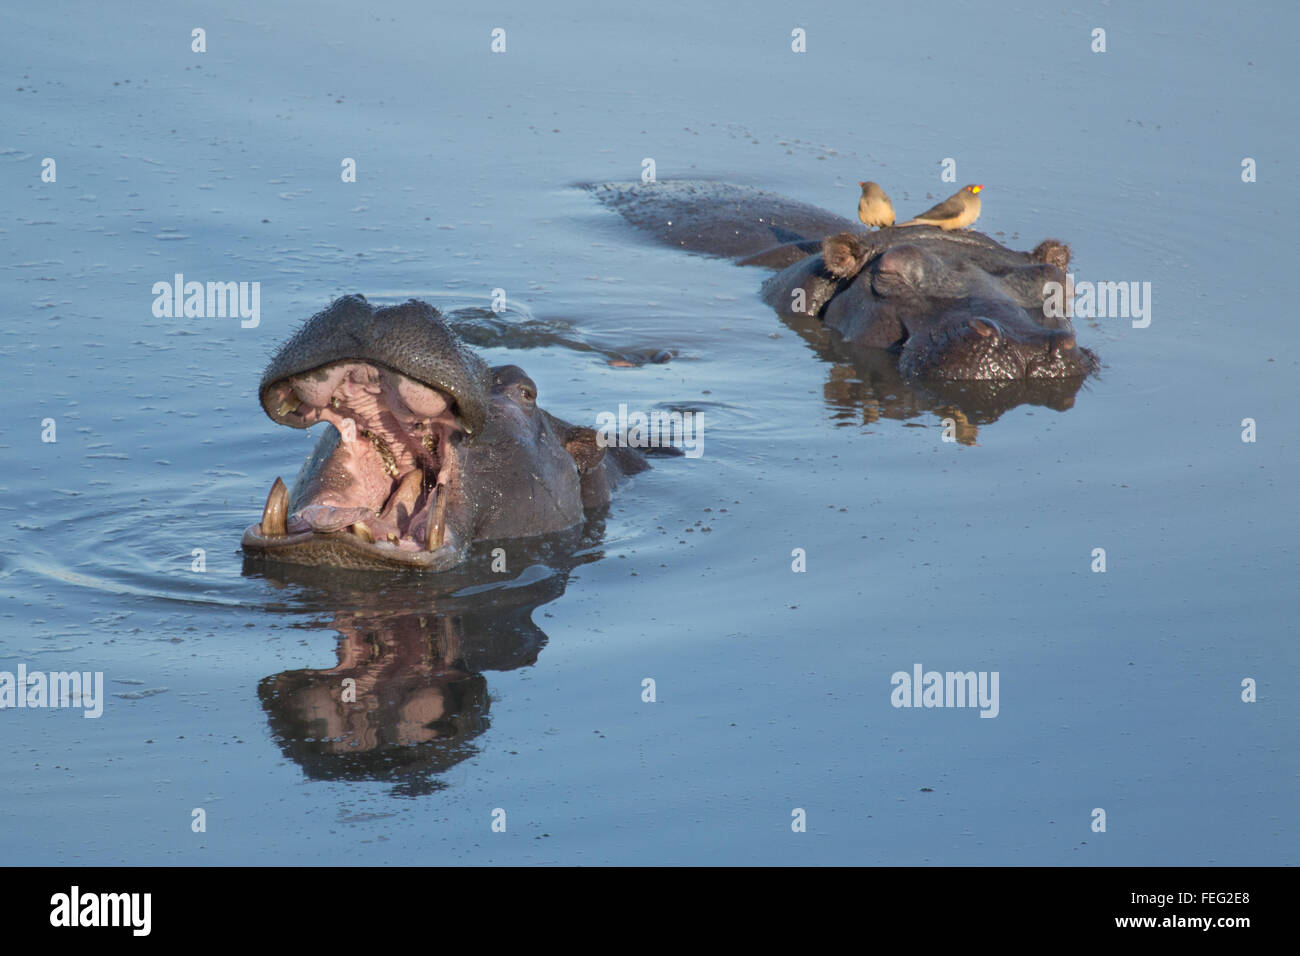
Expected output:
{"points": [[343, 549]]}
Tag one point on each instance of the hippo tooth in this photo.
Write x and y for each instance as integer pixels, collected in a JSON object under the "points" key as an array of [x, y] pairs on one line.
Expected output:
{"points": [[437, 521], [363, 532], [286, 407], [276, 513], [405, 495]]}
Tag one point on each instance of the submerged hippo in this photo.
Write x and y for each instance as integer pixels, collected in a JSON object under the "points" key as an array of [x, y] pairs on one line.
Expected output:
{"points": [[954, 306], [430, 451]]}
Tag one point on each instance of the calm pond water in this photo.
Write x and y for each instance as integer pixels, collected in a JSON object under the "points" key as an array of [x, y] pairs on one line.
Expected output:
{"points": [[519, 696]]}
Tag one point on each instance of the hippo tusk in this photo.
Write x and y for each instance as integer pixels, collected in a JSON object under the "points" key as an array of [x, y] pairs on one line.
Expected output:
{"points": [[437, 521], [362, 531], [405, 495], [276, 513]]}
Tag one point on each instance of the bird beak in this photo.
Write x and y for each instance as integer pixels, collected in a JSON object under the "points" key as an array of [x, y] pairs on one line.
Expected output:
{"points": [[975, 189]]}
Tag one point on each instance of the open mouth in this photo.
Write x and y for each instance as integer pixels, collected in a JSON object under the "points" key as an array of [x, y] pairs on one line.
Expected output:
{"points": [[383, 490]]}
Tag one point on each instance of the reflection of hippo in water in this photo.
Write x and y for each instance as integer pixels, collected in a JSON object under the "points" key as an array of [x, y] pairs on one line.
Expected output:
{"points": [[409, 712], [955, 306], [863, 386], [408, 695], [430, 451]]}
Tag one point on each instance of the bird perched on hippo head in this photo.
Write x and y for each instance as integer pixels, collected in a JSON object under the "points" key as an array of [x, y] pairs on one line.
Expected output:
{"points": [[958, 211], [874, 208]]}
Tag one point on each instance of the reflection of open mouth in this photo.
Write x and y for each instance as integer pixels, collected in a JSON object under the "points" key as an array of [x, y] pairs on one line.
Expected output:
{"points": [[385, 487]]}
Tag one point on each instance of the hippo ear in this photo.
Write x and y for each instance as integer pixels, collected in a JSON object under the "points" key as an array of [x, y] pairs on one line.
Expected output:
{"points": [[583, 445], [1054, 252], [844, 255]]}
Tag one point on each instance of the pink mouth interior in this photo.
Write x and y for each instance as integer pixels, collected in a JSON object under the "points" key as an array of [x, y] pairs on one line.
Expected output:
{"points": [[395, 455]]}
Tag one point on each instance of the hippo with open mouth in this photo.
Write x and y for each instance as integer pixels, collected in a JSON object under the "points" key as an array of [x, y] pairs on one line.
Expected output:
{"points": [[954, 306], [430, 449]]}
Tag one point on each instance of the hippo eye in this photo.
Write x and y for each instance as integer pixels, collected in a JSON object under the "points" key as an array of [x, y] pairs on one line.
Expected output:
{"points": [[982, 327], [528, 392]]}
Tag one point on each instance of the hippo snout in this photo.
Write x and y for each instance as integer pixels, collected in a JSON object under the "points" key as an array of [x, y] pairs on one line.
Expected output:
{"points": [[992, 340], [411, 339]]}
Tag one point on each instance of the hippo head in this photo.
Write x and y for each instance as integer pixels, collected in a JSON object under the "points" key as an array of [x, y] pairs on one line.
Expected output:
{"points": [[430, 450], [403, 395], [955, 306]]}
